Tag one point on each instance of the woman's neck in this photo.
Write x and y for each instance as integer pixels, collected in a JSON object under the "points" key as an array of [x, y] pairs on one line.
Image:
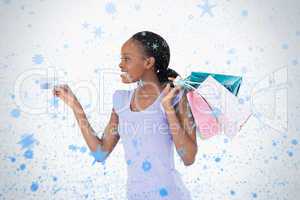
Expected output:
{"points": [[150, 85]]}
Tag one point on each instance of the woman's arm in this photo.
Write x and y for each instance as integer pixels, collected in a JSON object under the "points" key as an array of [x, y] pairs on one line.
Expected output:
{"points": [[182, 127], [110, 136], [101, 147]]}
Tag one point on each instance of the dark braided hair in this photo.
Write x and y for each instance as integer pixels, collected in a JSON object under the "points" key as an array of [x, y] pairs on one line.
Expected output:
{"points": [[154, 45]]}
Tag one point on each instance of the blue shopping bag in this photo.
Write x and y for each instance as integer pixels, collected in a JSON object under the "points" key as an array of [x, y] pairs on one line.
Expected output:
{"points": [[232, 83]]}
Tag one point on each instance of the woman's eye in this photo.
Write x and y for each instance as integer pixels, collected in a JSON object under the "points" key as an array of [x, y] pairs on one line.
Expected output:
{"points": [[125, 59]]}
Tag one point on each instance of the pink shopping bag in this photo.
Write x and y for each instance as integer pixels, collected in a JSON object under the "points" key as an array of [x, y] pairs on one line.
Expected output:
{"points": [[205, 120], [230, 113]]}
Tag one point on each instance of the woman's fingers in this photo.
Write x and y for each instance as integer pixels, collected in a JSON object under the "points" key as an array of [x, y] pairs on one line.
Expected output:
{"points": [[61, 88], [171, 92], [65, 93], [58, 90], [174, 91], [65, 86], [166, 89]]}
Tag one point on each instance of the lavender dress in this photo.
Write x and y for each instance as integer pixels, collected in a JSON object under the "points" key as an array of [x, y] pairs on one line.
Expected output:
{"points": [[149, 149]]}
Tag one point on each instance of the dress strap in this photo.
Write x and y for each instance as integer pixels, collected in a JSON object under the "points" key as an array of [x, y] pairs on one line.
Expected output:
{"points": [[121, 100]]}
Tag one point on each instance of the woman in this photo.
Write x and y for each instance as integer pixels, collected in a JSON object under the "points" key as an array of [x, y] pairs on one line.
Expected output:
{"points": [[146, 121]]}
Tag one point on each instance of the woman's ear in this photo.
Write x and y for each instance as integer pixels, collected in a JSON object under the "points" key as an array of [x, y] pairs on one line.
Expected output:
{"points": [[150, 61]]}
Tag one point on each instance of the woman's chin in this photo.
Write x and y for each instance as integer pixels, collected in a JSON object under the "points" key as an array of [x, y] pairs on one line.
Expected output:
{"points": [[124, 80]]}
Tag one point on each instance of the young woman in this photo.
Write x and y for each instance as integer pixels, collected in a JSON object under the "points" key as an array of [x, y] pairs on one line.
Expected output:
{"points": [[146, 120]]}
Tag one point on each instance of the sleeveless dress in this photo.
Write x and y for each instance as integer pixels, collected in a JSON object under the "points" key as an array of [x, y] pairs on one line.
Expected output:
{"points": [[149, 151]]}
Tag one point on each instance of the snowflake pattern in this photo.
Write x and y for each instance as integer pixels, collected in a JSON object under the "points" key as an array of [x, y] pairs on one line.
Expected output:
{"points": [[143, 33], [155, 46], [206, 8]]}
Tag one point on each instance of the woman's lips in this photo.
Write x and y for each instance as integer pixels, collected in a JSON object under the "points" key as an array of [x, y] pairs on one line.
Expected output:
{"points": [[124, 74]]}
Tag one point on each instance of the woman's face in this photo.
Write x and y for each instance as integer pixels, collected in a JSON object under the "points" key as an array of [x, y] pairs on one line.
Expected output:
{"points": [[133, 62]]}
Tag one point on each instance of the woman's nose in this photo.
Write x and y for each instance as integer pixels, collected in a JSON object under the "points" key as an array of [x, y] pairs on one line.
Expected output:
{"points": [[120, 66]]}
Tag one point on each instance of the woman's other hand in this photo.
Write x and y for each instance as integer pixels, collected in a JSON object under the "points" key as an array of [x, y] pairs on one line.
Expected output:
{"points": [[168, 94], [65, 93]]}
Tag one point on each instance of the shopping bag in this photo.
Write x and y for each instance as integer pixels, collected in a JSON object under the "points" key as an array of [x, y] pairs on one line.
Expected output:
{"points": [[230, 113], [232, 83], [206, 123]]}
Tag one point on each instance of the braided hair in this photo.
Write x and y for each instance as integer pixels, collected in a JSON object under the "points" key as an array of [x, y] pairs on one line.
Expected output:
{"points": [[155, 46]]}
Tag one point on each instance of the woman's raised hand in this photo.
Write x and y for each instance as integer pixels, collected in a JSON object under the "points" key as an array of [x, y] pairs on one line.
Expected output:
{"points": [[65, 93], [168, 94]]}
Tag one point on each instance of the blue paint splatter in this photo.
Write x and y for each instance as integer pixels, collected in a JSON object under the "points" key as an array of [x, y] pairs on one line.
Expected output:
{"points": [[290, 153], [254, 195], [12, 159], [83, 149], [27, 141], [244, 13], [294, 142], [217, 159], [232, 192], [216, 112], [163, 192], [54, 102], [28, 154], [15, 113], [37, 59], [34, 186], [129, 162], [72, 147], [146, 166], [22, 167], [54, 178], [225, 140], [45, 86], [99, 155], [110, 8]]}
